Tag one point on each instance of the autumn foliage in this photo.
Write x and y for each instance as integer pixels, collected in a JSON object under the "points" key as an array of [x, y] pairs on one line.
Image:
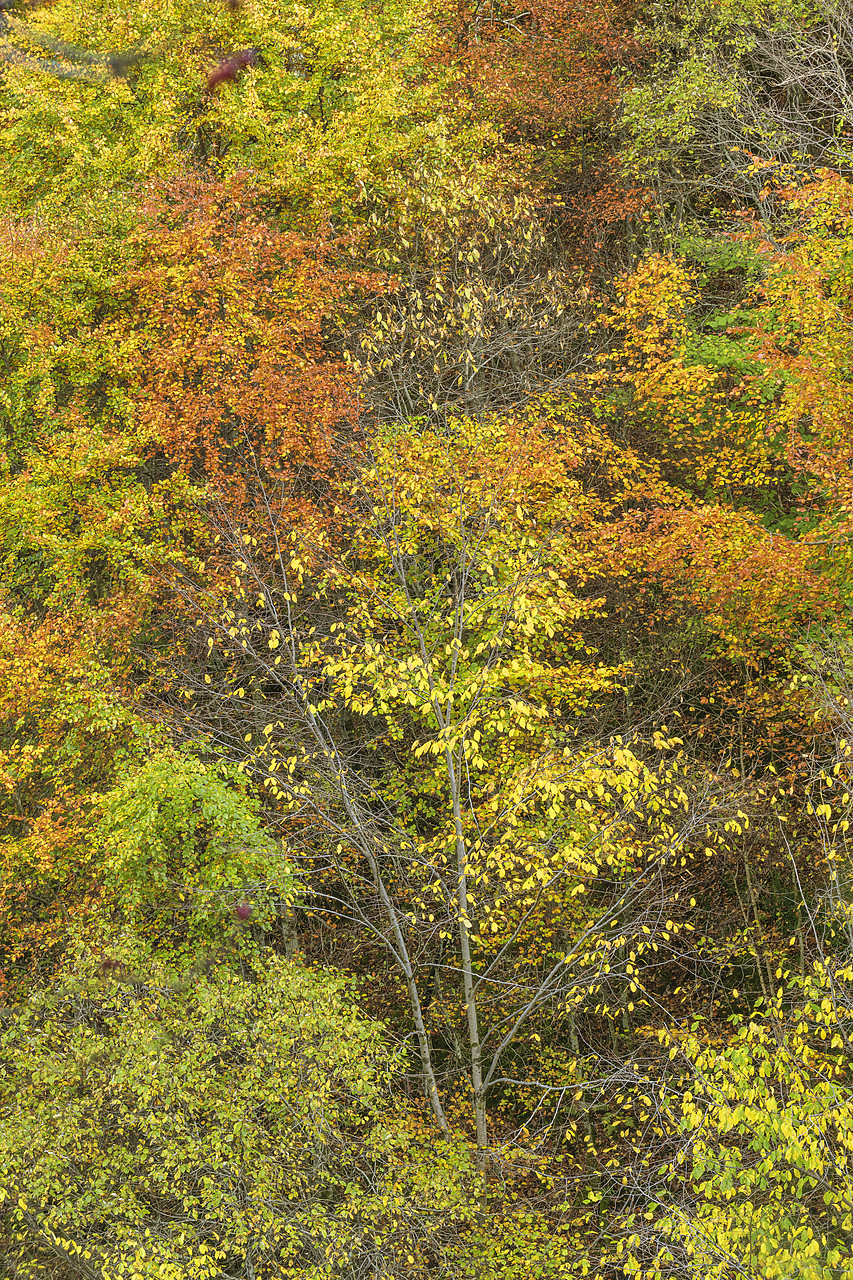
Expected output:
{"points": [[552, 66], [426, 747], [237, 384]]}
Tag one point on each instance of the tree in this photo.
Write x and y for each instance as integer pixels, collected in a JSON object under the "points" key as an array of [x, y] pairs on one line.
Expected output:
{"points": [[696, 380], [156, 1128], [236, 385], [766, 1131], [179, 342], [182, 847], [740, 94], [803, 328], [340, 100], [482, 311], [549, 76], [62, 730], [413, 709]]}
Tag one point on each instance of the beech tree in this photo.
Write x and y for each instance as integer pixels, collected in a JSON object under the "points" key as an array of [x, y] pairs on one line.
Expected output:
{"points": [[507, 865], [425, 524]]}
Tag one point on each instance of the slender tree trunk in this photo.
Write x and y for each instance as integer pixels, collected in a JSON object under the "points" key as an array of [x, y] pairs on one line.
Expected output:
{"points": [[400, 950], [467, 969]]}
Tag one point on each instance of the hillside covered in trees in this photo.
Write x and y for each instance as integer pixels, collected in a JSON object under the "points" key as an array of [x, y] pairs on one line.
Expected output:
{"points": [[426, 662]]}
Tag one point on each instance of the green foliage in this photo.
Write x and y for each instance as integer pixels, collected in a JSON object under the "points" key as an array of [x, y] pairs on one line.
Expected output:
{"points": [[159, 1130], [738, 95], [182, 845], [767, 1122], [80, 525], [65, 341]]}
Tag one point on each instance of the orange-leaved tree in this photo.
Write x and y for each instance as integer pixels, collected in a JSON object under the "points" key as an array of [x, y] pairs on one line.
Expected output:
{"points": [[548, 67], [234, 317]]}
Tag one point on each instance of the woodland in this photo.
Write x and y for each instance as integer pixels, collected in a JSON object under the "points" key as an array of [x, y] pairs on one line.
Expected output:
{"points": [[426, 661]]}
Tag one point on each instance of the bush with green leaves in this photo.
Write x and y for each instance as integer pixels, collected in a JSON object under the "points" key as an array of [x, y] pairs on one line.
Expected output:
{"points": [[761, 1168], [183, 846]]}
